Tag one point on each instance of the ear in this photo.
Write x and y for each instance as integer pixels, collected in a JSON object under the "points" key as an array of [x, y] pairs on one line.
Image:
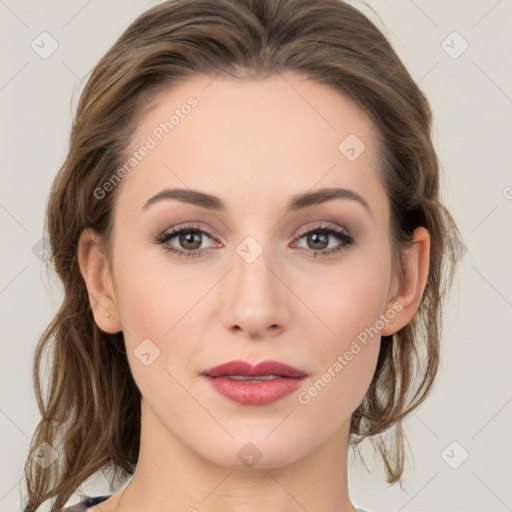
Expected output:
{"points": [[96, 273], [409, 287]]}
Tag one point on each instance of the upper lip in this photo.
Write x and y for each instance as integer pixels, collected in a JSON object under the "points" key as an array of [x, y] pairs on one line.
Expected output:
{"points": [[267, 367]]}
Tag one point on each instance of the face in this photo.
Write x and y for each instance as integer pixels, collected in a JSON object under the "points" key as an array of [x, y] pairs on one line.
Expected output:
{"points": [[253, 280]]}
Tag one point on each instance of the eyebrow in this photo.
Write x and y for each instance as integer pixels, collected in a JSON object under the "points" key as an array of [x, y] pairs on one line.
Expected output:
{"points": [[297, 202]]}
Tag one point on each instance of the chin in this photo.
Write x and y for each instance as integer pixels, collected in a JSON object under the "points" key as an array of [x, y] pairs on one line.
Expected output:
{"points": [[255, 449]]}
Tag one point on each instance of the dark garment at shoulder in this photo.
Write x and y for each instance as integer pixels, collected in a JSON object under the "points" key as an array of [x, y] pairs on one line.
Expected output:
{"points": [[85, 504]]}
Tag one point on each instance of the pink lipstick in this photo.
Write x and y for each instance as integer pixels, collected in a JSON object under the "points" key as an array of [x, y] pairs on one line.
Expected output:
{"points": [[259, 384]]}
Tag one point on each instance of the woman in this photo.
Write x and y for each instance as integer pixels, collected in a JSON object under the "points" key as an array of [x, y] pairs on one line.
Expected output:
{"points": [[287, 143]]}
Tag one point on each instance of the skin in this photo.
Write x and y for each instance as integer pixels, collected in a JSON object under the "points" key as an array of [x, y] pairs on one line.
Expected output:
{"points": [[254, 144]]}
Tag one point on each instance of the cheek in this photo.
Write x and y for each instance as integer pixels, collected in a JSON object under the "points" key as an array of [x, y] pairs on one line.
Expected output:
{"points": [[158, 303], [153, 292], [347, 298], [347, 359], [350, 304]]}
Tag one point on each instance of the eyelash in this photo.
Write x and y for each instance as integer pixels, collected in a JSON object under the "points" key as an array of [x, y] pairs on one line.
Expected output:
{"points": [[163, 238]]}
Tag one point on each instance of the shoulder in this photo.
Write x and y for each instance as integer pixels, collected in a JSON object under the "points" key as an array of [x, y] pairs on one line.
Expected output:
{"points": [[85, 504]]}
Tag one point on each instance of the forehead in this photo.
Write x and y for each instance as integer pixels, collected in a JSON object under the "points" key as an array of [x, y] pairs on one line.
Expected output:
{"points": [[254, 139]]}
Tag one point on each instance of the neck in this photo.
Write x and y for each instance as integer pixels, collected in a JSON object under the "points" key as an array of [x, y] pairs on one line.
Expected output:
{"points": [[170, 476]]}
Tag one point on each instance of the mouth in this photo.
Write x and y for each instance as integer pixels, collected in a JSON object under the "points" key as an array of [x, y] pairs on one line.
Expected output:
{"points": [[259, 384]]}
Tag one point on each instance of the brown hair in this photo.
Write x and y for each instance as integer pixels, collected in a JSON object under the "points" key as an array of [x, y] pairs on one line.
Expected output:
{"points": [[91, 412]]}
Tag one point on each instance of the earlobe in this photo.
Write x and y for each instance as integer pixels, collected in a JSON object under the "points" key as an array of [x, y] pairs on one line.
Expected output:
{"points": [[96, 273], [415, 263]]}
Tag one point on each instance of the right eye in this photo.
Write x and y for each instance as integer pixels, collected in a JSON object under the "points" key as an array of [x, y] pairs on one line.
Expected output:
{"points": [[185, 235]]}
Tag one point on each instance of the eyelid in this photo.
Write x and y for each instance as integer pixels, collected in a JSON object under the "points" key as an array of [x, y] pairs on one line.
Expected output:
{"points": [[318, 225]]}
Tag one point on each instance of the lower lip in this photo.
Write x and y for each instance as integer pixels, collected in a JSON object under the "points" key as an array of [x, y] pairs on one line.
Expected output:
{"points": [[255, 393]]}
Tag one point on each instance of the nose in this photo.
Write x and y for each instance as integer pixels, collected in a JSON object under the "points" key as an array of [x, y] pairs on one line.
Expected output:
{"points": [[255, 294]]}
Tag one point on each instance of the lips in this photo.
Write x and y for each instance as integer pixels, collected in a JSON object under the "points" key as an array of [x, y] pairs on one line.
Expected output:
{"points": [[261, 384], [263, 369]]}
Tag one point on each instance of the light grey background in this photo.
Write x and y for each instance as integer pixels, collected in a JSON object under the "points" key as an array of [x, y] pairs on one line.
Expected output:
{"points": [[471, 96]]}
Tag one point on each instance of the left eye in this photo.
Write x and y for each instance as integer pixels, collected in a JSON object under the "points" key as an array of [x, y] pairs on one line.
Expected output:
{"points": [[322, 234]]}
